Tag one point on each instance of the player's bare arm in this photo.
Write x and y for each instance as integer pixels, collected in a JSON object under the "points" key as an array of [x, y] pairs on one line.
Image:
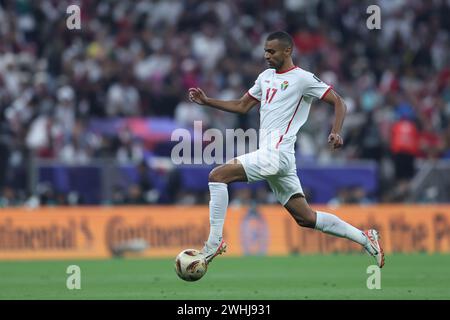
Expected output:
{"points": [[340, 108], [243, 105]]}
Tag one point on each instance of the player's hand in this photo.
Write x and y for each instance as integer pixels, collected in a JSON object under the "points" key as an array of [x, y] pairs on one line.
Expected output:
{"points": [[335, 140], [197, 95]]}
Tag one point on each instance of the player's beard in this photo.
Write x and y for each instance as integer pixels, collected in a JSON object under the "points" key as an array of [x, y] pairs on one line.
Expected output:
{"points": [[277, 65]]}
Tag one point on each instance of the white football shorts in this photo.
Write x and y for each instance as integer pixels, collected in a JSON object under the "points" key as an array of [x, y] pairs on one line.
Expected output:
{"points": [[278, 168]]}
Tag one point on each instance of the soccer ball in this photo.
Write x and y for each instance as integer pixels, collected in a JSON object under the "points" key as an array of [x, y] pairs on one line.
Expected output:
{"points": [[190, 265]]}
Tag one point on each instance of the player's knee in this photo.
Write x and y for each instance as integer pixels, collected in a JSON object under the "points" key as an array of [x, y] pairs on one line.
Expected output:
{"points": [[216, 175]]}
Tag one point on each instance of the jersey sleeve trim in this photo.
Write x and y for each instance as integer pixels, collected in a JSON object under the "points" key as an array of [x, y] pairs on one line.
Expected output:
{"points": [[326, 91], [252, 96]]}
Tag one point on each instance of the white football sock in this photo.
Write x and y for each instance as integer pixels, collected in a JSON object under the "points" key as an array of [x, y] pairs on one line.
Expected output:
{"points": [[217, 210], [331, 224]]}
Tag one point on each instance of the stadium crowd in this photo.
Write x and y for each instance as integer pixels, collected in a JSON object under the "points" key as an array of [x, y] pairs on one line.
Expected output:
{"points": [[138, 58]]}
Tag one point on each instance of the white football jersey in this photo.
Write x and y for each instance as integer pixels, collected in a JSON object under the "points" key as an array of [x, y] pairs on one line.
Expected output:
{"points": [[285, 98]]}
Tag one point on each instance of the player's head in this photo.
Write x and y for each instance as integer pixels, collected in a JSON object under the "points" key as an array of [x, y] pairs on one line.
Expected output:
{"points": [[278, 48]]}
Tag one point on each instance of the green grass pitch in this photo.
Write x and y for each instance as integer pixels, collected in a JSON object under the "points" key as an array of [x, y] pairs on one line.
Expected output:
{"points": [[415, 276]]}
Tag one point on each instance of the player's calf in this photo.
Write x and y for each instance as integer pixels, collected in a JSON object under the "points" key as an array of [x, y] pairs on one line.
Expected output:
{"points": [[301, 212], [305, 220]]}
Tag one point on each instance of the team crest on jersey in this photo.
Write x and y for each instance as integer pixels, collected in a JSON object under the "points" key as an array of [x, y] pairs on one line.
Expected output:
{"points": [[284, 85]]}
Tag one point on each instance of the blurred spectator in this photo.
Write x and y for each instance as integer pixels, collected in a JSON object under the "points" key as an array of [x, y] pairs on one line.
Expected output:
{"points": [[134, 195], [242, 197], [65, 108], [118, 196], [78, 145], [4, 162], [8, 197], [264, 195], [130, 148], [446, 152], [431, 142], [358, 196], [350, 195], [123, 99], [145, 183], [404, 143], [186, 197], [47, 195], [369, 140], [208, 46], [187, 112], [44, 136], [342, 197]]}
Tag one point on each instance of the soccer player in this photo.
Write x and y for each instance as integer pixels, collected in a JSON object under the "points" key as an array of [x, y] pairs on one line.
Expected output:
{"points": [[285, 93]]}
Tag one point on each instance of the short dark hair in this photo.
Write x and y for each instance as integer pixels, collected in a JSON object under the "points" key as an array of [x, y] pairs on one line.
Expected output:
{"points": [[281, 36]]}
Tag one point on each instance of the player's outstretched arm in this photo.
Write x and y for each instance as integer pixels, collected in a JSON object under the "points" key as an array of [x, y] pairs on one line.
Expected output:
{"points": [[340, 109], [243, 105]]}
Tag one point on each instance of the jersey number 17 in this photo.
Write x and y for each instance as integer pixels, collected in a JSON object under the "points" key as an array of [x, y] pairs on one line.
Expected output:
{"points": [[270, 96]]}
